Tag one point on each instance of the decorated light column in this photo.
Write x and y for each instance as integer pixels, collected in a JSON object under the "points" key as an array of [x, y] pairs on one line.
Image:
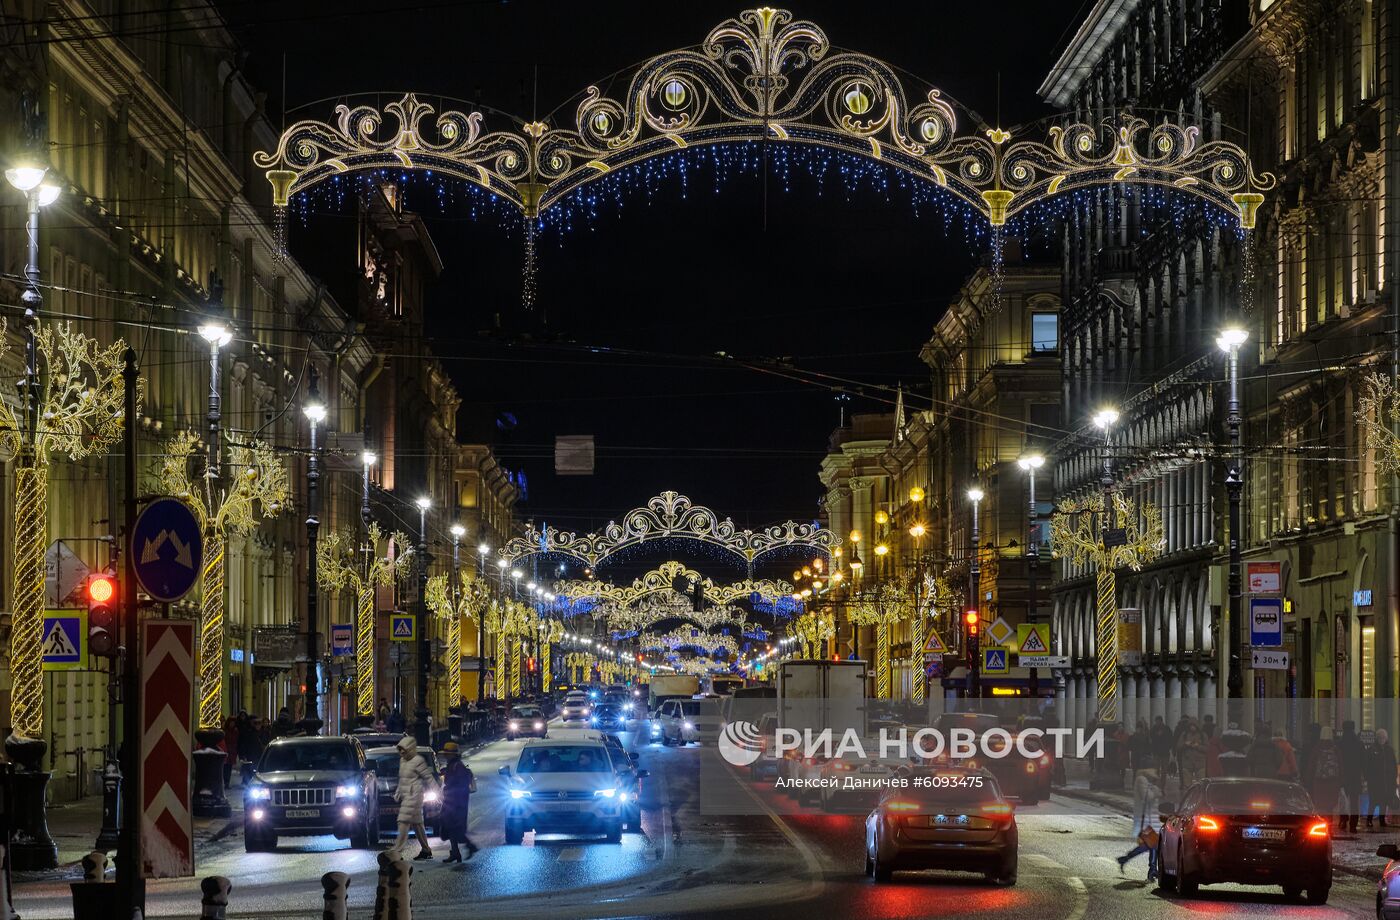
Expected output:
{"points": [[340, 566], [72, 404], [257, 488]]}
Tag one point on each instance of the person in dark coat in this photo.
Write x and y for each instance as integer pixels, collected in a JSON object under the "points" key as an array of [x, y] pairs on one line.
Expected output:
{"points": [[1264, 757], [1162, 741], [1352, 756], [1139, 749], [1380, 778], [458, 783]]}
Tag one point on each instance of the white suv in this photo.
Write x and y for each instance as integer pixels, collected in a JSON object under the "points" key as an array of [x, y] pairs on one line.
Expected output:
{"points": [[566, 787], [684, 721]]}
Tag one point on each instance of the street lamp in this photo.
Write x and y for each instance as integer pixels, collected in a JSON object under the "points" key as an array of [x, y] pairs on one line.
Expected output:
{"points": [[315, 412], [1030, 463], [24, 745], [454, 720], [420, 724], [974, 574], [1230, 340]]}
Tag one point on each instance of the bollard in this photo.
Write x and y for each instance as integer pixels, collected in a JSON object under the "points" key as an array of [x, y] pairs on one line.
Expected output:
{"points": [[391, 898], [95, 866], [337, 895], [215, 903]]}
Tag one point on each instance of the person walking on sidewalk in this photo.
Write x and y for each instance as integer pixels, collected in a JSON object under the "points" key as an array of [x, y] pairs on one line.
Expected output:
{"points": [[458, 784], [1287, 760], [1380, 778], [415, 780], [1352, 757], [1161, 739], [1146, 794], [1190, 751]]}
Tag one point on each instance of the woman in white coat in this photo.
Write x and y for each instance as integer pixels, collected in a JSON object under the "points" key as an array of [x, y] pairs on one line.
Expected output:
{"points": [[416, 779]]}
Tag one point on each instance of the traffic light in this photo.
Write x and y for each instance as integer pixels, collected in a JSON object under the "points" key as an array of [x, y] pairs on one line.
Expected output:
{"points": [[102, 597], [971, 620]]}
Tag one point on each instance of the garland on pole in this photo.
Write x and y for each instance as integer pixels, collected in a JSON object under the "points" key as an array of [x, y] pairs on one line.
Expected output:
{"points": [[344, 563]]}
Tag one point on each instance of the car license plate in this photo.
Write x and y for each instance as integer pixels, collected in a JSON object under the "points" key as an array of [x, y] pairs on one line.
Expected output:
{"points": [[303, 812], [1265, 833]]}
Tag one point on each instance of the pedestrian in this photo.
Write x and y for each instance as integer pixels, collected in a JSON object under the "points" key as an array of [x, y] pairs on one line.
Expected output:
{"points": [[1139, 748], [395, 722], [1214, 748], [415, 780], [230, 748], [1190, 751], [1147, 792], [1380, 778], [1287, 760], [383, 711], [284, 725], [458, 784], [1352, 761], [1321, 770], [1264, 757], [1161, 739]]}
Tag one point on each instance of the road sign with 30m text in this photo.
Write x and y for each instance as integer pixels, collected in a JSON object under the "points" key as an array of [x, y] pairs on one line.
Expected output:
{"points": [[402, 627]]}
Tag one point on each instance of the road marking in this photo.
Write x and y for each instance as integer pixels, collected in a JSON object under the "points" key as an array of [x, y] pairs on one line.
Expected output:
{"points": [[571, 854], [1045, 862], [814, 867], [1081, 898]]}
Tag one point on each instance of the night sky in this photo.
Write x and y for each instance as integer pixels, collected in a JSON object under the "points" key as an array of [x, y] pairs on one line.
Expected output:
{"points": [[829, 279]]}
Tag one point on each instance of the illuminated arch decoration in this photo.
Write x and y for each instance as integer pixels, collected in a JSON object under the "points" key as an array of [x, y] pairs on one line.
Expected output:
{"points": [[681, 638], [671, 606], [762, 76], [663, 578], [669, 515]]}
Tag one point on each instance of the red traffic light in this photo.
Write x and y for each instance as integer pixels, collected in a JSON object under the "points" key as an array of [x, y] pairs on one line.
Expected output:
{"points": [[970, 618], [101, 589]]}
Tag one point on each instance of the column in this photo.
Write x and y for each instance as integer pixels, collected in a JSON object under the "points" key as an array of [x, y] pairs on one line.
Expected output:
{"points": [[1173, 701]]}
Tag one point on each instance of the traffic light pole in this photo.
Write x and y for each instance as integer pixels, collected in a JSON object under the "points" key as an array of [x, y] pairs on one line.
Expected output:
{"points": [[131, 887]]}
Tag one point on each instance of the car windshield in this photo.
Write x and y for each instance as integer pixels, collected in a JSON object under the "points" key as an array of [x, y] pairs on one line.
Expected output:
{"points": [[300, 757], [385, 765], [525, 712], [690, 708], [1262, 798], [606, 711], [574, 758]]}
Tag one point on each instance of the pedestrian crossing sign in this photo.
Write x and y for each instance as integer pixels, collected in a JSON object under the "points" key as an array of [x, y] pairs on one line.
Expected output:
{"points": [[935, 644], [64, 642], [1033, 639], [995, 661], [402, 627]]}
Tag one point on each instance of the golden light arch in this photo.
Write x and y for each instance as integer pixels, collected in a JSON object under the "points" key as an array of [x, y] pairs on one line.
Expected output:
{"points": [[764, 76]]}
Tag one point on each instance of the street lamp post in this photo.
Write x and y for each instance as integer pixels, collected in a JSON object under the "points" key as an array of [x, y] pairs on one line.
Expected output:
{"points": [[420, 715], [1229, 341], [36, 849], [1030, 463], [209, 798], [454, 654], [974, 577], [315, 412], [365, 619]]}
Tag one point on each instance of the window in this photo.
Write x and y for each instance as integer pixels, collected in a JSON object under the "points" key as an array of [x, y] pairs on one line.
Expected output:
{"points": [[1045, 333]]}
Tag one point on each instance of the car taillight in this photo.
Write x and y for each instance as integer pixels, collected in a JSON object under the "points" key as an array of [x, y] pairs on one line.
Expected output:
{"points": [[1319, 830], [1207, 824], [1045, 760], [997, 810]]}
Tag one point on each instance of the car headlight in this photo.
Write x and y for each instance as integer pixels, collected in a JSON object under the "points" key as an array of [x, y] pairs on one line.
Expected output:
{"points": [[514, 726], [656, 728], [260, 793], [539, 725], [432, 795], [520, 793], [605, 793], [348, 792], [690, 726]]}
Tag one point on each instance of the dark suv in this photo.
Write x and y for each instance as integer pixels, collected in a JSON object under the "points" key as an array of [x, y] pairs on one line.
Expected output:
{"points": [[308, 786]]}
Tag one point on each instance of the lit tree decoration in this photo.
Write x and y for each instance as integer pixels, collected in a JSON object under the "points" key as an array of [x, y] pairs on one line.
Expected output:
{"points": [[1076, 535], [516, 620], [813, 629], [256, 489], [551, 631], [1378, 413], [882, 605], [939, 599], [79, 403], [470, 598], [341, 565]]}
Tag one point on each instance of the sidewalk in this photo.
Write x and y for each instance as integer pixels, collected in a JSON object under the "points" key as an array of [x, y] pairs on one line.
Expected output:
{"points": [[1354, 854], [74, 827]]}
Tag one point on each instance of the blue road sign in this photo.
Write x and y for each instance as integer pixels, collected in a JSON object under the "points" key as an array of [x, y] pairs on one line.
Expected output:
{"points": [[167, 549], [1266, 622], [65, 640], [342, 640], [402, 627], [994, 661]]}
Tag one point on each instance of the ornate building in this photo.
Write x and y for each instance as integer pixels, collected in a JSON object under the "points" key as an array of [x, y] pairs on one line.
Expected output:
{"points": [[1313, 85], [1147, 284]]}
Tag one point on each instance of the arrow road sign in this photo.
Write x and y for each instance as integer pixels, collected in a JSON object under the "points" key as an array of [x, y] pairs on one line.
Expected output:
{"points": [[1044, 661], [167, 548]]}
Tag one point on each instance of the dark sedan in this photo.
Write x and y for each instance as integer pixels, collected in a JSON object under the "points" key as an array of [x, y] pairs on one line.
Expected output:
{"points": [[1247, 831], [947, 818], [608, 718], [527, 721]]}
